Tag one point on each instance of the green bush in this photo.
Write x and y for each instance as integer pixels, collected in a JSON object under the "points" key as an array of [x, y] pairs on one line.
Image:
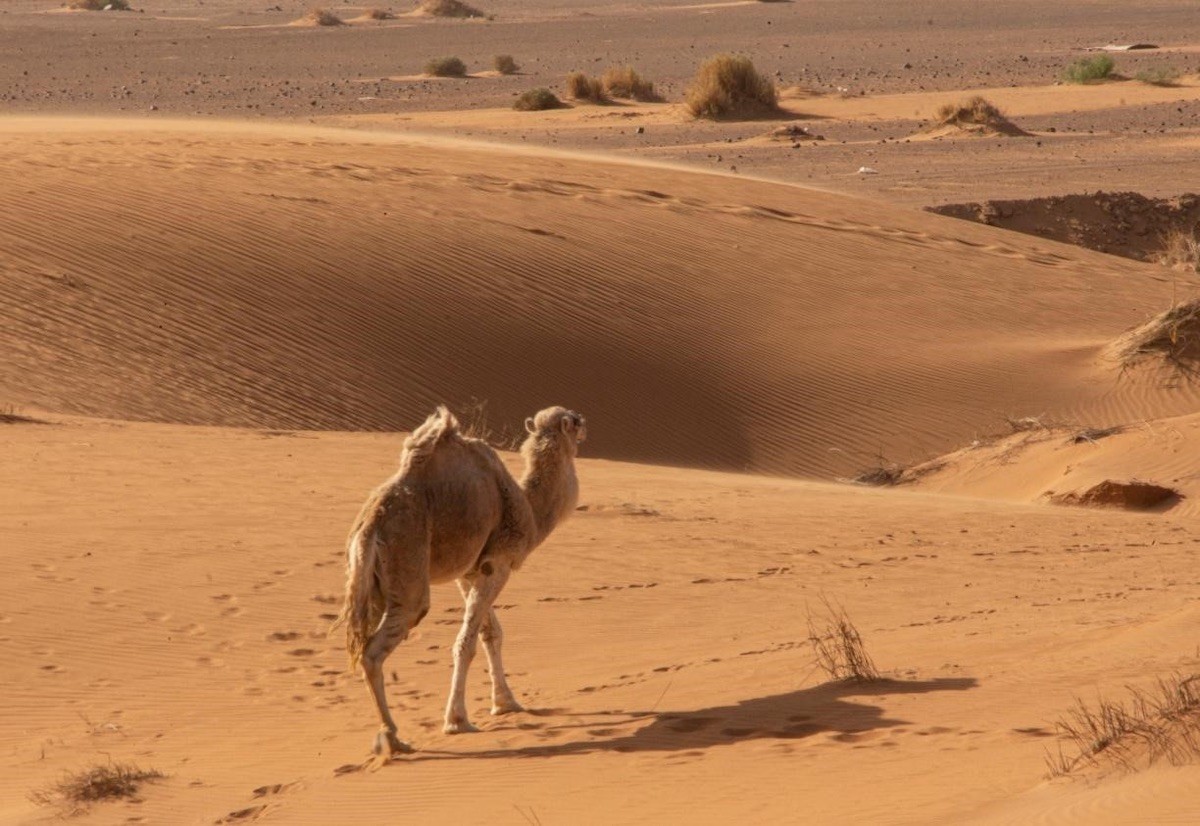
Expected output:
{"points": [[1089, 69]]}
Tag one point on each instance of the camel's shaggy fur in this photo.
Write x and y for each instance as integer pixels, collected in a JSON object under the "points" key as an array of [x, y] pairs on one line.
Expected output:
{"points": [[452, 512]]}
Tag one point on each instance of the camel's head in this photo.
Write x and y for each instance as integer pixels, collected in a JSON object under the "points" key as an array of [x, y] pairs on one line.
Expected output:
{"points": [[558, 423]]}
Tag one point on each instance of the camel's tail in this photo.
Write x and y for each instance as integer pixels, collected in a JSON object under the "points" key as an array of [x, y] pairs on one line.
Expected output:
{"points": [[363, 608]]}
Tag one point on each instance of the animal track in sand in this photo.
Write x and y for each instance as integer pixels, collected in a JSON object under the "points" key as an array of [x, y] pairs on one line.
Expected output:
{"points": [[249, 813], [302, 652], [284, 636], [326, 599]]}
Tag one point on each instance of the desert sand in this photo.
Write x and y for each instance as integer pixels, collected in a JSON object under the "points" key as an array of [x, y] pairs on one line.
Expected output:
{"points": [[243, 258]]}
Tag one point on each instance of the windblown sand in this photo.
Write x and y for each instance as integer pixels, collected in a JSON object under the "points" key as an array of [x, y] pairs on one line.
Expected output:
{"points": [[216, 331]]}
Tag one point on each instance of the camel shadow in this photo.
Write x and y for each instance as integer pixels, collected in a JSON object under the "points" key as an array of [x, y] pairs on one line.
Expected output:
{"points": [[790, 716]]}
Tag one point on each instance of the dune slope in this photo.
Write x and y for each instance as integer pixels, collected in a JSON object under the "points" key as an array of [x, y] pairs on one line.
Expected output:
{"points": [[291, 277]]}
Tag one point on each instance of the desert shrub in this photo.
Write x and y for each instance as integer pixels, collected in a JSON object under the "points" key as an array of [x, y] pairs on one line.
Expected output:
{"points": [[976, 109], [504, 64], [582, 87], [625, 82], [323, 17], [1158, 76], [379, 14], [1181, 250], [1089, 69], [101, 5], [728, 85], [838, 645], [108, 782], [450, 8], [446, 67], [536, 100], [1173, 334]]}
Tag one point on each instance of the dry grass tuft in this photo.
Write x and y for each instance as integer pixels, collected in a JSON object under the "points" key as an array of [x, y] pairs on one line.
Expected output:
{"points": [[504, 64], [1181, 250], [1173, 335], [536, 100], [378, 14], [976, 114], [584, 88], [1162, 722], [450, 8], [625, 82], [446, 67], [323, 17], [114, 781], [975, 110], [729, 86], [839, 647]]}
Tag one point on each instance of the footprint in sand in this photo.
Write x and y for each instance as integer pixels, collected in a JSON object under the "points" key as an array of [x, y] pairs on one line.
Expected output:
{"points": [[156, 616], [272, 789], [302, 652], [249, 813], [284, 636], [326, 599]]}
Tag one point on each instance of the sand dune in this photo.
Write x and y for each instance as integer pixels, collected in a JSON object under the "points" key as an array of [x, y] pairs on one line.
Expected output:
{"points": [[215, 334], [288, 277]]}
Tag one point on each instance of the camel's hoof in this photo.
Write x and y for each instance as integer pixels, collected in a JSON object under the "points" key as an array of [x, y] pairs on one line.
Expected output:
{"points": [[388, 744], [510, 707], [458, 727]]}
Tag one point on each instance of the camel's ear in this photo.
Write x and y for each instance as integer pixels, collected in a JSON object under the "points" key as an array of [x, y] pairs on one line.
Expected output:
{"points": [[566, 424], [529, 428]]}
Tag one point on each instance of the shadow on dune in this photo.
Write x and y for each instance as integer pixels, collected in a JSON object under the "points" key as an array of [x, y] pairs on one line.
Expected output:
{"points": [[794, 715]]}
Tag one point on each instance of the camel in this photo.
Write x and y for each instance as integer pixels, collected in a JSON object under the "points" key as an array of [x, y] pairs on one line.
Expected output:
{"points": [[452, 512]]}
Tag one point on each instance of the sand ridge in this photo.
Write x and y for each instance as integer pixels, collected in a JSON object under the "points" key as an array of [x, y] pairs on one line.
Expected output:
{"points": [[827, 302]]}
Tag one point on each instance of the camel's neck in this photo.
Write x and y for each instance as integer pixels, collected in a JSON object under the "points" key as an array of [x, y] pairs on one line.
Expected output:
{"points": [[550, 485]]}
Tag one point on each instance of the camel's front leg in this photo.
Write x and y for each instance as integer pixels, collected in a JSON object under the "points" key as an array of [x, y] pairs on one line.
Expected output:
{"points": [[503, 701], [484, 588]]}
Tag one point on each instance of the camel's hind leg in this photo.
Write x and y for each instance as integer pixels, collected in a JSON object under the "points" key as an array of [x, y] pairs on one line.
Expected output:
{"points": [[400, 618], [485, 586]]}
